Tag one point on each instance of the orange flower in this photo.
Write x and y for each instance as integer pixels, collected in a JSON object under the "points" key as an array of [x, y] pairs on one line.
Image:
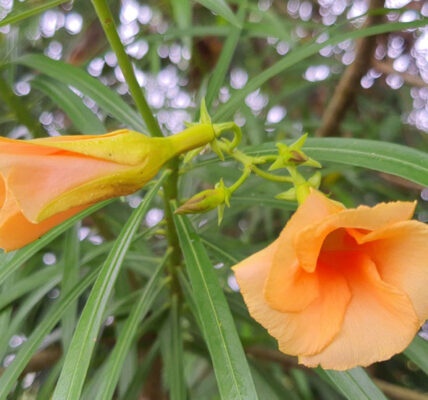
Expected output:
{"points": [[341, 287], [45, 181]]}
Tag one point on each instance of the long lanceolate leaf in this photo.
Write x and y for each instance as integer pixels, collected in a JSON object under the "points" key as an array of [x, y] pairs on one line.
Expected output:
{"points": [[12, 373], [77, 359], [69, 279], [220, 7], [225, 59], [24, 11], [418, 353], [84, 120], [392, 158], [108, 100], [118, 355], [230, 365], [28, 251], [299, 54], [354, 384], [172, 352]]}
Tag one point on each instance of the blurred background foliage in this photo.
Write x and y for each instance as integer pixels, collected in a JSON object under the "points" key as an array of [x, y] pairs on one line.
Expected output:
{"points": [[181, 50]]}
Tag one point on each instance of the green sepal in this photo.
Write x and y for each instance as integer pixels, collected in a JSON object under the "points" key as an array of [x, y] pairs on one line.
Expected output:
{"points": [[289, 195]]}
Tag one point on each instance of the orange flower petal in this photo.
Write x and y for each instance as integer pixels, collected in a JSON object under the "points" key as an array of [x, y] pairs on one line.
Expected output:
{"points": [[309, 241], [50, 178], [307, 332], [400, 253], [288, 288], [12, 146], [16, 231], [380, 321]]}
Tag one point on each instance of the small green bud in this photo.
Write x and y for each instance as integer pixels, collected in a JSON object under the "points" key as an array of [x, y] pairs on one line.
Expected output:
{"points": [[293, 156], [206, 200], [202, 202]]}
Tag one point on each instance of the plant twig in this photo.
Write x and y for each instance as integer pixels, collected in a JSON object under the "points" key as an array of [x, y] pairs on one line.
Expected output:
{"points": [[350, 81], [387, 68], [170, 186], [42, 360], [399, 392], [107, 22]]}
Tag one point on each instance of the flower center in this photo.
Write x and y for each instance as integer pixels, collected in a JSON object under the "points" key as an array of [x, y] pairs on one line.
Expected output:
{"points": [[340, 248]]}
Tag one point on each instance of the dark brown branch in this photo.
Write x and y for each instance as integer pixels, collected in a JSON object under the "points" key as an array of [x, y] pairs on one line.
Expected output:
{"points": [[387, 68], [350, 81], [42, 360], [399, 392]]}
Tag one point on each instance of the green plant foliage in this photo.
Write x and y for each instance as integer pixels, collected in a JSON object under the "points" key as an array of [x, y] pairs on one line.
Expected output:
{"points": [[128, 299]]}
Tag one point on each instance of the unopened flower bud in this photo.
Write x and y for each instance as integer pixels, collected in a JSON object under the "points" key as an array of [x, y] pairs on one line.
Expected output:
{"points": [[203, 201]]}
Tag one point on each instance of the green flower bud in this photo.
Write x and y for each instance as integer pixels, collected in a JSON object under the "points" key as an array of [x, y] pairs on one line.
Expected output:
{"points": [[203, 201]]}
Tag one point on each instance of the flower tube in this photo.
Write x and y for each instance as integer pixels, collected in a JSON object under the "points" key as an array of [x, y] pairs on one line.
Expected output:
{"points": [[45, 181]]}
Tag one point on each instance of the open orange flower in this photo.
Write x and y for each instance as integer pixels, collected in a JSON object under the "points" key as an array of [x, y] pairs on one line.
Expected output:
{"points": [[45, 181], [341, 287]]}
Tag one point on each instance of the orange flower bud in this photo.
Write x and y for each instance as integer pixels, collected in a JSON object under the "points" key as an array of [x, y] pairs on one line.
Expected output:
{"points": [[45, 181], [341, 287]]}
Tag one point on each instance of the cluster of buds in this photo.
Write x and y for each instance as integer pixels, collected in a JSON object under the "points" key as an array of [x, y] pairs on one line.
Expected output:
{"points": [[291, 157], [288, 157]]}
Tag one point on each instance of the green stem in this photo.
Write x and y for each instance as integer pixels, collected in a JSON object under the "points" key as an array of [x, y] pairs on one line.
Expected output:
{"points": [[107, 22], [269, 176], [300, 184], [170, 186], [250, 162], [241, 180], [18, 108], [191, 138], [171, 193]]}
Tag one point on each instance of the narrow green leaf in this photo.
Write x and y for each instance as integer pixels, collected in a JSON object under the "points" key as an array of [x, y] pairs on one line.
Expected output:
{"points": [[418, 353], [302, 384], [105, 98], [134, 390], [93, 385], [28, 284], [80, 351], [12, 373], [227, 109], [28, 251], [85, 121], [127, 336], [25, 308], [225, 58], [23, 11], [230, 365], [220, 251], [45, 392], [354, 384], [182, 10], [70, 278], [221, 8], [264, 387], [192, 31], [172, 353]]}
